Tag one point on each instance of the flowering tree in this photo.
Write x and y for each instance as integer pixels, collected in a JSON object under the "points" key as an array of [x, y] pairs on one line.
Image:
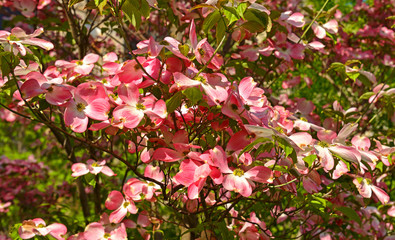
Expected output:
{"points": [[145, 119]]}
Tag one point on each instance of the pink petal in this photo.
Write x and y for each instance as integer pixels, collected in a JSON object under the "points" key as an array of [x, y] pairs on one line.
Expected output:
{"points": [[380, 194], [79, 169], [130, 72], [39, 43], [59, 95], [302, 139], [318, 30], [183, 81], [110, 57], [94, 231], [84, 69], [118, 215], [130, 116], [296, 51], [57, 230], [347, 129], [195, 188], [90, 58], [31, 88], [332, 26], [114, 200], [167, 155], [348, 153], [129, 93], [363, 188], [246, 86], [296, 19], [154, 173], [316, 45], [187, 171], [98, 109], [260, 174], [192, 34], [326, 135], [107, 171], [220, 160]]}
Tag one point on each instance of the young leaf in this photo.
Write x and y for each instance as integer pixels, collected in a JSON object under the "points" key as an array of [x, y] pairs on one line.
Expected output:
{"points": [[211, 20], [220, 31], [174, 102], [193, 94], [350, 213]]}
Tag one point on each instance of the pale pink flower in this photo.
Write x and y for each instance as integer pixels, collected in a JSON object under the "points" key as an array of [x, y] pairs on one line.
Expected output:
{"points": [[37, 226], [91, 166], [15, 40]]}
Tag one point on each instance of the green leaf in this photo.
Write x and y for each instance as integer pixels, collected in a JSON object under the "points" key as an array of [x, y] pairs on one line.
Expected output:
{"points": [[310, 159], [5, 64], [288, 149], [241, 8], [174, 102], [253, 27], [337, 67], [211, 20], [132, 12], [366, 95], [260, 17], [100, 4], [202, 6], [90, 179], [252, 145], [353, 74], [231, 14], [220, 31], [184, 49], [351, 62], [43, 104], [350, 213], [193, 94], [72, 2]]}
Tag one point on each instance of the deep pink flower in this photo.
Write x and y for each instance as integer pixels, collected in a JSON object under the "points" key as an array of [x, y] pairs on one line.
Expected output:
{"points": [[115, 201], [90, 100]]}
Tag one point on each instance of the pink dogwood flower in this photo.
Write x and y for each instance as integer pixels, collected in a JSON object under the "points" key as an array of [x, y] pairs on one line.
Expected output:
{"points": [[83, 67], [240, 180], [131, 113], [105, 230], [365, 188], [90, 100], [37, 226], [91, 166], [15, 40], [115, 201], [55, 92]]}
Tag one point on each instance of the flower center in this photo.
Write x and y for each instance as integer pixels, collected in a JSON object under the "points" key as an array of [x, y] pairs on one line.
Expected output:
{"points": [[80, 107], [95, 165], [201, 51], [238, 172], [126, 204], [107, 235], [200, 79], [323, 144], [13, 38], [140, 106]]}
